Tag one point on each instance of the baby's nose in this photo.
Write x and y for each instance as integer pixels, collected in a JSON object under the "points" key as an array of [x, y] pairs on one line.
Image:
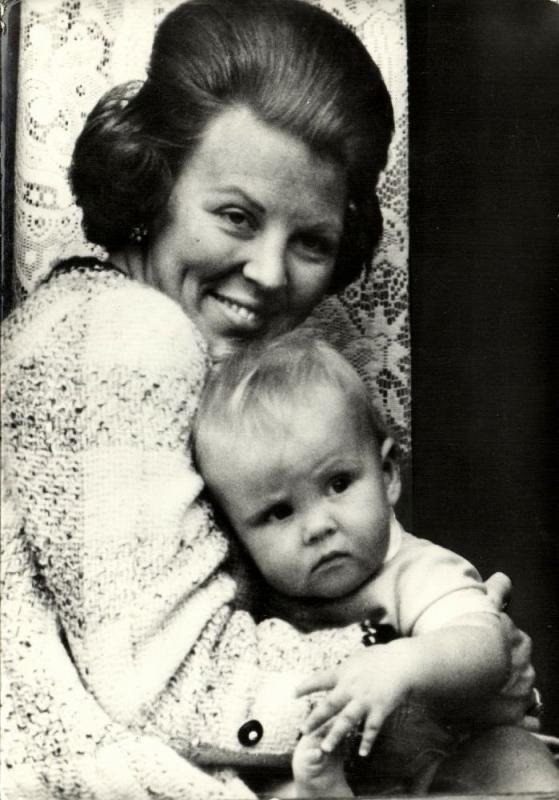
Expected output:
{"points": [[318, 525]]}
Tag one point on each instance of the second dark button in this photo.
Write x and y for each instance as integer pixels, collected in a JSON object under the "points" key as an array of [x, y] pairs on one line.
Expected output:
{"points": [[250, 733]]}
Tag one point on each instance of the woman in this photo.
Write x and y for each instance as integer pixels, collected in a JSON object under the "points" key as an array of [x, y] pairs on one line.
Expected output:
{"points": [[233, 190]]}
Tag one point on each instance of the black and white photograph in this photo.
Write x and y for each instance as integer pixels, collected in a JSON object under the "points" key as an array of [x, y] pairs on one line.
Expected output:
{"points": [[279, 456]]}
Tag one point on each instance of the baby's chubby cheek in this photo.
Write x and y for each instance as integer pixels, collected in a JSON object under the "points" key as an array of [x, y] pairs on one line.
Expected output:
{"points": [[379, 547]]}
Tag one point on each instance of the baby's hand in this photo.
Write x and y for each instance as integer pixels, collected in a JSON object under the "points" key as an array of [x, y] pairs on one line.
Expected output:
{"points": [[367, 687]]}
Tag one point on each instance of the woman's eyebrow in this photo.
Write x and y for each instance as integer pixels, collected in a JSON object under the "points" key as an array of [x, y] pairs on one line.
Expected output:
{"points": [[232, 189], [327, 226]]}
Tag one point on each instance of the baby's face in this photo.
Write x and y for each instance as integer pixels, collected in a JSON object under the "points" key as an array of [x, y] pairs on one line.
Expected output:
{"points": [[312, 506]]}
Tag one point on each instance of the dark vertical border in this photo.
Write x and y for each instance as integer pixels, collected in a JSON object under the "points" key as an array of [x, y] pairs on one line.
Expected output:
{"points": [[10, 58], [484, 297]]}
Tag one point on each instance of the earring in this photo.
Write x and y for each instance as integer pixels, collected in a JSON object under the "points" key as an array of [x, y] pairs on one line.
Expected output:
{"points": [[138, 234]]}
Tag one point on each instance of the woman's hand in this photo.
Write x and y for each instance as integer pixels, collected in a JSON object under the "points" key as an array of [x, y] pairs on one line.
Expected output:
{"points": [[515, 699]]}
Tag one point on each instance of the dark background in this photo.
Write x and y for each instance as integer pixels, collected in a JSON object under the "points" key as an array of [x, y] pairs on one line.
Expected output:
{"points": [[484, 274], [484, 281]]}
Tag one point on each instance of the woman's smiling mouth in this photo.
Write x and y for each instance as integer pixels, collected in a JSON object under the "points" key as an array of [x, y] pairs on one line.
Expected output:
{"points": [[239, 312]]}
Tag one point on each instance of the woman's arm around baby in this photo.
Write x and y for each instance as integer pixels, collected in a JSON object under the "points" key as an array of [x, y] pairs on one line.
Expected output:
{"points": [[120, 636]]}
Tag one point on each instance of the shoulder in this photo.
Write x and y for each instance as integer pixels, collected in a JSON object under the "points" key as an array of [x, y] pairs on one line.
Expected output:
{"points": [[420, 576], [418, 556], [93, 307]]}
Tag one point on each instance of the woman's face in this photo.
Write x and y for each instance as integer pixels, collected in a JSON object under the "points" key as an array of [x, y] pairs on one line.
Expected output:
{"points": [[251, 232]]}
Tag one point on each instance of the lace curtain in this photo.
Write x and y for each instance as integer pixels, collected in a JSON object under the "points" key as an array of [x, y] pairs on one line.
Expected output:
{"points": [[71, 51]]}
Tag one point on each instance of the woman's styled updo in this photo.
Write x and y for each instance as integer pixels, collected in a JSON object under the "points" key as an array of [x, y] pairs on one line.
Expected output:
{"points": [[295, 66]]}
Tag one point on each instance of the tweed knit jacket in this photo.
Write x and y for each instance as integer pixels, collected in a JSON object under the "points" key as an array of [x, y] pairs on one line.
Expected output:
{"points": [[127, 670]]}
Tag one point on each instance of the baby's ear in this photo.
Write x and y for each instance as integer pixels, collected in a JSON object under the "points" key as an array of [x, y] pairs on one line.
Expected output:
{"points": [[391, 470]]}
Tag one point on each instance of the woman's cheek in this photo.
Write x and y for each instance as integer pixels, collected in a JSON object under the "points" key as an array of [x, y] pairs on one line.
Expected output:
{"points": [[316, 282]]}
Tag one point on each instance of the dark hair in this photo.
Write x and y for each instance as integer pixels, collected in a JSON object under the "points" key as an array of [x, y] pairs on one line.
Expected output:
{"points": [[294, 65], [257, 390]]}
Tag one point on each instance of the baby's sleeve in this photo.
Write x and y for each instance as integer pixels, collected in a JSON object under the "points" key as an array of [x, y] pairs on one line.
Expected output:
{"points": [[432, 587]]}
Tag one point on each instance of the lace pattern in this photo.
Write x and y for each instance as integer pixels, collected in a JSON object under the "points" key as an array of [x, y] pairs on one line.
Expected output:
{"points": [[72, 51]]}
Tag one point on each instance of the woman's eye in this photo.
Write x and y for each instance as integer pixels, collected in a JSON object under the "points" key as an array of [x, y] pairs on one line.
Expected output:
{"points": [[340, 483], [317, 246], [278, 512], [237, 218]]}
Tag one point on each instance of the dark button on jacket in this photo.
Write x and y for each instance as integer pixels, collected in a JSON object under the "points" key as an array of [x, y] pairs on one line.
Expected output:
{"points": [[250, 733]]}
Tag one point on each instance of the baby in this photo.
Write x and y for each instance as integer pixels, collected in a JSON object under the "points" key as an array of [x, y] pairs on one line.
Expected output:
{"points": [[296, 457]]}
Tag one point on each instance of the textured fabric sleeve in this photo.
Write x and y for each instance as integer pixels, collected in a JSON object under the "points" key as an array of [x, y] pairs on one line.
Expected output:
{"points": [[57, 742], [101, 386]]}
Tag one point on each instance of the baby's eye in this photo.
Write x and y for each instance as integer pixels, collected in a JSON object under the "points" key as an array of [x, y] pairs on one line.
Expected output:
{"points": [[278, 512], [340, 483]]}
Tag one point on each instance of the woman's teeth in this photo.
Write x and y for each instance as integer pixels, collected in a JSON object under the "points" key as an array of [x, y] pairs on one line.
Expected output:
{"points": [[242, 311]]}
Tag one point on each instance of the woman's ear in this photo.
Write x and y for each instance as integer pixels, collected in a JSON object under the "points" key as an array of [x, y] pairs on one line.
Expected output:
{"points": [[391, 470]]}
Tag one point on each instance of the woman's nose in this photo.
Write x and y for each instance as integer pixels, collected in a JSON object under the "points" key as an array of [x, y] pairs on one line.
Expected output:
{"points": [[266, 263], [318, 524]]}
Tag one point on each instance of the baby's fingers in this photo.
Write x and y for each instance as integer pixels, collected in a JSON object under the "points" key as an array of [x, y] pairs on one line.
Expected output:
{"points": [[324, 711], [319, 681], [370, 731], [346, 721]]}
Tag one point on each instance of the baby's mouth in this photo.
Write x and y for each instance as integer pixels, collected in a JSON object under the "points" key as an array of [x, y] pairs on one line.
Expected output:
{"points": [[333, 559]]}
